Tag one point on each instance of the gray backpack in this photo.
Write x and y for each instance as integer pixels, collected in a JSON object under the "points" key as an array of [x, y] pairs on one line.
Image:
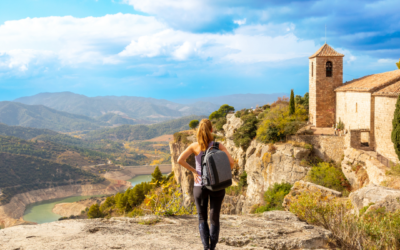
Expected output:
{"points": [[215, 169]]}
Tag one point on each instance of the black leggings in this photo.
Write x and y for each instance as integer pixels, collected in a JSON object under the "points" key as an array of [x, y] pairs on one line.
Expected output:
{"points": [[216, 199]]}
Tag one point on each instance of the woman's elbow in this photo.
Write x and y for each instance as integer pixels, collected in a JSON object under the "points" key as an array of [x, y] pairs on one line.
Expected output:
{"points": [[180, 161]]}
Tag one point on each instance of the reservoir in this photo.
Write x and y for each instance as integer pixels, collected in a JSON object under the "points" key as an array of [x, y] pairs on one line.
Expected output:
{"points": [[41, 212]]}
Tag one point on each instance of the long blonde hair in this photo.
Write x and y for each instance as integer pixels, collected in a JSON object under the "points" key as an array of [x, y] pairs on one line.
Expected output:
{"points": [[204, 136]]}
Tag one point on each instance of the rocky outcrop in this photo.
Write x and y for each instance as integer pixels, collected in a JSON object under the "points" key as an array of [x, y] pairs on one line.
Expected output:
{"points": [[301, 187], [266, 166], [361, 169], [275, 230], [233, 204], [390, 203], [373, 194], [182, 176], [11, 213], [238, 154]]}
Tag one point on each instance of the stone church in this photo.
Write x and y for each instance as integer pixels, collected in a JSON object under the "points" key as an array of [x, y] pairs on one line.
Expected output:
{"points": [[365, 105]]}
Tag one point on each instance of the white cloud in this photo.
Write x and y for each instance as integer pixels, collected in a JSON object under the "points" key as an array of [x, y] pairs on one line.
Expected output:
{"points": [[387, 61], [116, 39], [240, 22], [243, 46], [71, 40]]}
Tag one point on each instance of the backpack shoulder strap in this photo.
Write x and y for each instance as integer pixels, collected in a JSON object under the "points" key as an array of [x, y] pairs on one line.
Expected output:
{"points": [[216, 145]]}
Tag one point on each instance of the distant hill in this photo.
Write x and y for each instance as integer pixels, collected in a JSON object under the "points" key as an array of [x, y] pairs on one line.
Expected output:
{"points": [[72, 155], [23, 132], [20, 173], [142, 132], [39, 116], [149, 109], [238, 101]]}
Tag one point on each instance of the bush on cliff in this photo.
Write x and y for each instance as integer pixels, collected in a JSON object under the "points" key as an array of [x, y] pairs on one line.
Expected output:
{"points": [[328, 175], [374, 230], [273, 197], [278, 123], [247, 132]]}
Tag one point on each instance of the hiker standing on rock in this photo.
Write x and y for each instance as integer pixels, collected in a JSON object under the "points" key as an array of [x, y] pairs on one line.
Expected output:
{"points": [[210, 185]]}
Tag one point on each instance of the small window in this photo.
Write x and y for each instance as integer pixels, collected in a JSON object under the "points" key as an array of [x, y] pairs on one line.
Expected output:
{"points": [[312, 69], [329, 69]]}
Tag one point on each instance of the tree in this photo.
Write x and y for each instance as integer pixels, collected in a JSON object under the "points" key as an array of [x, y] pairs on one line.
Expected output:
{"points": [[94, 212], [221, 112], [225, 109], [398, 64], [193, 124], [291, 103], [157, 176], [396, 128]]}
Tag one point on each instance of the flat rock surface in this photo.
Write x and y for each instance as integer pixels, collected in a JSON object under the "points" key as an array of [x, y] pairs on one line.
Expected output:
{"points": [[273, 230]]}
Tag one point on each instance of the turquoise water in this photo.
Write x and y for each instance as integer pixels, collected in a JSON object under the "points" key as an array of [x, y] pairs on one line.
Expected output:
{"points": [[41, 212], [141, 178]]}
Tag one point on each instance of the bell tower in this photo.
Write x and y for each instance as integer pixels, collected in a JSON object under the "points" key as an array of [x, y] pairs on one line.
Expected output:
{"points": [[325, 75]]}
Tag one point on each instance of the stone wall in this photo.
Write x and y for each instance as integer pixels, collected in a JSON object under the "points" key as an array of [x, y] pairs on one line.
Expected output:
{"points": [[322, 94], [324, 146], [383, 126], [354, 109]]}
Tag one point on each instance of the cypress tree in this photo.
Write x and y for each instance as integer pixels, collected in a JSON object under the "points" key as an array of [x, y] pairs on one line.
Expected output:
{"points": [[291, 103], [396, 128], [157, 176]]}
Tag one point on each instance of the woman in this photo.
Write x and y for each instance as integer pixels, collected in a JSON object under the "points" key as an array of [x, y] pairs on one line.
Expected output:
{"points": [[209, 236]]}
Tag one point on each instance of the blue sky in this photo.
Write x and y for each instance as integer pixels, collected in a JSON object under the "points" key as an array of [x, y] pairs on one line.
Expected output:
{"points": [[175, 49]]}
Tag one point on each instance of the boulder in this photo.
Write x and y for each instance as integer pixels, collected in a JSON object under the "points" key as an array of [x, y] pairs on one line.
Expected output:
{"points": [[374, 194], [390, 203], [361, 169], [301, 186]]}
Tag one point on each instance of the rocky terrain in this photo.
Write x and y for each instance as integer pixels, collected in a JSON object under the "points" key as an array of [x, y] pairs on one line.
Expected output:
{"points": [[271, 230]]}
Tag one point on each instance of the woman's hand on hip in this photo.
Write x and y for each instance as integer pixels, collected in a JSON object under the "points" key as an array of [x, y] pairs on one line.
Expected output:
{"points": [[197, 178]]}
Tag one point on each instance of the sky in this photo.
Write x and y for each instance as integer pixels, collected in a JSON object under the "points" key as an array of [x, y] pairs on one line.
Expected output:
{"points": [[174, 49]]}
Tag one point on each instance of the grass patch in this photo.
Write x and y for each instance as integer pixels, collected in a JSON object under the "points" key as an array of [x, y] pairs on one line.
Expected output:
{"points": [[273, 197], [328, 175]]}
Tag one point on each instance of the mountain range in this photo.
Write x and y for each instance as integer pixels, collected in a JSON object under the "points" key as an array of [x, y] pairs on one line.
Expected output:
{"points": [[141, 109]]}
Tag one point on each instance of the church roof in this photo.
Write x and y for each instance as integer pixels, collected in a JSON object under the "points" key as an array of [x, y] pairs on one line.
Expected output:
{"points": [[371, 83], [326, 50], [391, 90]]}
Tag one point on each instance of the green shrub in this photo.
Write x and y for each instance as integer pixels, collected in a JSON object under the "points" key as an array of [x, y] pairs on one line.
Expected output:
{"points": [[328, 175], [247, 132], [193, 124], [94, 212], [273, 197], [278, 123], [220, 123]]}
